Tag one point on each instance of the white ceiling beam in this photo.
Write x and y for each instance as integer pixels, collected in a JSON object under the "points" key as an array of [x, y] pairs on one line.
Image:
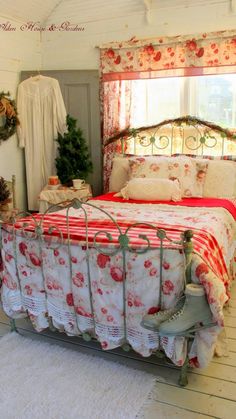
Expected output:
{"points": [[51, 12], [178, 4], [233, 6], [147, 5]]}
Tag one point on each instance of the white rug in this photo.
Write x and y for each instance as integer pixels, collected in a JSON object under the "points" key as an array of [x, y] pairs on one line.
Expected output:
{"points": [[43, 381]]}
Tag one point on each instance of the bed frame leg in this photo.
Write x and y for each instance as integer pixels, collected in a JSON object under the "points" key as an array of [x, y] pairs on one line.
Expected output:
{"points": [[51, 327], [183, 379], [13, 325]]}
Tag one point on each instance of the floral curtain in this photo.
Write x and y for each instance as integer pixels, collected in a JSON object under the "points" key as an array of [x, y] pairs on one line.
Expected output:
{"points": [[201, 54], [116, 117]]}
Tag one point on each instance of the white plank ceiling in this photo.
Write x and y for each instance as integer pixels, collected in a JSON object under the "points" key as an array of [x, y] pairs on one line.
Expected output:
{"points": [[88, 10]]}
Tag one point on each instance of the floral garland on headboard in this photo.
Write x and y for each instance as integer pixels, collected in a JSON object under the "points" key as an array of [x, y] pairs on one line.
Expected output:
{"points": [[8, 116], [183, 135], [187, 120]]}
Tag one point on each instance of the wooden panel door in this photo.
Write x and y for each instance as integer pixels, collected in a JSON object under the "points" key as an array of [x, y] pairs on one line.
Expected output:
{"points": [[80, 90]]}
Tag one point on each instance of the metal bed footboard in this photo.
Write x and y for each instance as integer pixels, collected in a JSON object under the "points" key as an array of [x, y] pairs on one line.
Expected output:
{"points": [[106, 243]]}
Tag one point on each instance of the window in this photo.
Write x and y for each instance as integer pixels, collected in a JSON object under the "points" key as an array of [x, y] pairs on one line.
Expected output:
{"points": [[212, 98]]}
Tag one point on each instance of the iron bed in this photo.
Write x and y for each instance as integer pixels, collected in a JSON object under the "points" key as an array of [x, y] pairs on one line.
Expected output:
{"points": [[32, 243]]}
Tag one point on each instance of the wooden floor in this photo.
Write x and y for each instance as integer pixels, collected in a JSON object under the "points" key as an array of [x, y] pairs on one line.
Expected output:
{"points": [[211, 393]]}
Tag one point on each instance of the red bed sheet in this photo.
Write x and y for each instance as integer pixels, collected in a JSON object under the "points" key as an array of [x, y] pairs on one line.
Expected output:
{"points": [[228, 204]]}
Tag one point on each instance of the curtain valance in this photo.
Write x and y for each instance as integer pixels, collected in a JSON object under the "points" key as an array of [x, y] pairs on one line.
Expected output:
{"points": [[196, 54]]}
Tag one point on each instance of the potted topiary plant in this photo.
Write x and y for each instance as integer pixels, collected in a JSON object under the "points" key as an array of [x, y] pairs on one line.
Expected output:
{"points": [[73, 161]]}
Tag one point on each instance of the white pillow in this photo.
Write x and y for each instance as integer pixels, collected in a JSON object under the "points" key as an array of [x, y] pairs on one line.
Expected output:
{"points": [[119, 174], [152, 189], [220, 179]]}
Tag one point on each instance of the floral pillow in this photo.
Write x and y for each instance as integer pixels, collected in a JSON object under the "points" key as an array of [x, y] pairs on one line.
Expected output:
{"points": [[120, 172], [219, 181], [189, 172], [201, 174], [149, 167]]}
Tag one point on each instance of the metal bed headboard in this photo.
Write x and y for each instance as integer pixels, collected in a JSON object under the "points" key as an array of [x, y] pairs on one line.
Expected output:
{"points": [[184, 135]]}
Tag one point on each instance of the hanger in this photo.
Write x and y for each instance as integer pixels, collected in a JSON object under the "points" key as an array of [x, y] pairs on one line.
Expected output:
{"points": [[36, 76]]}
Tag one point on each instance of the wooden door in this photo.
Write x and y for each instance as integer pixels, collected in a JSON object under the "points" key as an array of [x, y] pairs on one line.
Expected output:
{"points": [[80, 90]]}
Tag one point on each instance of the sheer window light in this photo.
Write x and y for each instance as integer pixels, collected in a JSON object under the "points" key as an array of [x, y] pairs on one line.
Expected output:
{"points": [[211, 98]]}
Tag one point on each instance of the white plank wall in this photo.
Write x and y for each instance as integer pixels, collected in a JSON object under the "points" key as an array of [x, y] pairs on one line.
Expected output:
{"points": [[18, 50], [211, 392]]}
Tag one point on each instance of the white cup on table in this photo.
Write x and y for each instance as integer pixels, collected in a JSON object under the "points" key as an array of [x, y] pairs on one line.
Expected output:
{"points": [[78, 183]]}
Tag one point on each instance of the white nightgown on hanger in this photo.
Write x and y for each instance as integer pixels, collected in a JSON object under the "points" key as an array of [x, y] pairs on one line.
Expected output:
{"points": [[42, 115]]}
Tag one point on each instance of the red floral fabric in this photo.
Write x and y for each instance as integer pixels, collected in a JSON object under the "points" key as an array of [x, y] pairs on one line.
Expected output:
{"points": [[179, 52], [116, 117]]}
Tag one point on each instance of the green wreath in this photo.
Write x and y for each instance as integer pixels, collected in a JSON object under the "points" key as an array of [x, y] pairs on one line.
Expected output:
{"points": [[8, 116]]}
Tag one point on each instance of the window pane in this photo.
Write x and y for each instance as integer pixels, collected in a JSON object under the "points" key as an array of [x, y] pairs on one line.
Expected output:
{"points": [[214, 99], [155, 100]]}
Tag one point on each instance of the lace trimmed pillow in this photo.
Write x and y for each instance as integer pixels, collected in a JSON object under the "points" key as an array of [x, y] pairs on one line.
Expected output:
{"points": [[151, 189]]}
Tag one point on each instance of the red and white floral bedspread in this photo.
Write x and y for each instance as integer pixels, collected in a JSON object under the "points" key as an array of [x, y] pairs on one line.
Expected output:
{"points": [[41, 283]]}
